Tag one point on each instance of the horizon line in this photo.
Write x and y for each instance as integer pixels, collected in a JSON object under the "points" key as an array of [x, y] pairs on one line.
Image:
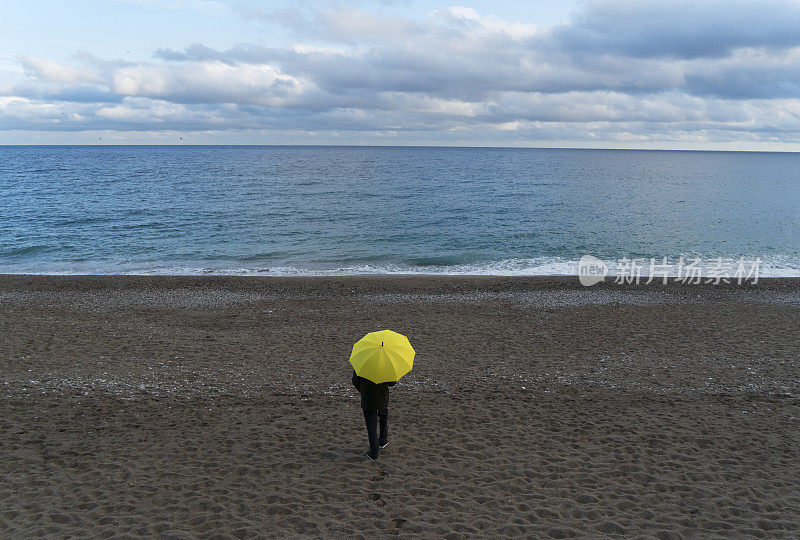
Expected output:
{"points": [[475, 147]]}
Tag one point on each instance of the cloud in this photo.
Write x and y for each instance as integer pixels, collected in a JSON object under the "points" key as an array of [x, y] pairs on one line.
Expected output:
{"points": [[617, 71], [49, 71], [679, 28], [209, 82]]}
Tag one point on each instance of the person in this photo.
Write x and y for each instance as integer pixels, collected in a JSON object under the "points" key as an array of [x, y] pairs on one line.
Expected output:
{"points": [[375, 403]]}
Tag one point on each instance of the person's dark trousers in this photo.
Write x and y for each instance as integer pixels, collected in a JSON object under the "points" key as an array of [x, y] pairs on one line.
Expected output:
{"points": [[371, 418]]}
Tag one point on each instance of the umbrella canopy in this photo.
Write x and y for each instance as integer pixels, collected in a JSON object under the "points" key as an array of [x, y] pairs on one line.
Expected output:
{"points": [[382, 356]]}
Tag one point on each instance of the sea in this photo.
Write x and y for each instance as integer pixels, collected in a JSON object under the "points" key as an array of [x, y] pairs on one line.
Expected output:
{"points": [[324, 210]]}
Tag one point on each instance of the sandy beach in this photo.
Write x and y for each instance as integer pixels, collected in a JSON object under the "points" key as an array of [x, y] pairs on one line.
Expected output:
{"points": [[186, 406]]}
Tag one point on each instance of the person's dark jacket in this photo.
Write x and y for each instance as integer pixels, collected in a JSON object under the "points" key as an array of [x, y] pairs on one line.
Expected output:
{"points": [[374, 397]]}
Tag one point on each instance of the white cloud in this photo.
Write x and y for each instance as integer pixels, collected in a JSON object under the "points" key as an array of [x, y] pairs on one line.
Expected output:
{"points": [[49, 71], [489, 23], [618, 71], [209, 82]]}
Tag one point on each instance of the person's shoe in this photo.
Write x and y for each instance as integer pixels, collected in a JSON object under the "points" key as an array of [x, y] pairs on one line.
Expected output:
{"points": [[369, 457], [384, 445]]}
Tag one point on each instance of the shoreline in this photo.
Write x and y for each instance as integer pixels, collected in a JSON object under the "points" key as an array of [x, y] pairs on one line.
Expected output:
{"points": [[488, 277], [567, 270]]}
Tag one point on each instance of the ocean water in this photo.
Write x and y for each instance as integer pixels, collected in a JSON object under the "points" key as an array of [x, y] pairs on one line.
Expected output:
{"points": [[363, 210]]}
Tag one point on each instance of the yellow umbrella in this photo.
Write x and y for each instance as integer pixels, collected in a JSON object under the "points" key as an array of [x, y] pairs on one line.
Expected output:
{"points": [[382, 356]]}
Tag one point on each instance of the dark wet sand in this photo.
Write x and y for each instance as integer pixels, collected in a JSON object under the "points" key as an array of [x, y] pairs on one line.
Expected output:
{"points": [[186, 406]]}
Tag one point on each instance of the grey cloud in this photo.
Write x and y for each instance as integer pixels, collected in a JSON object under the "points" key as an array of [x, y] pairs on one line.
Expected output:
{"points": [[196, 52], [678, 29], [612, 46], [752, 82], [617, 69]]}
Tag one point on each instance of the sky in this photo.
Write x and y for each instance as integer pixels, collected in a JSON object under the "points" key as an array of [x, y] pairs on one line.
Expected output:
{"points": [[721, 75]]}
